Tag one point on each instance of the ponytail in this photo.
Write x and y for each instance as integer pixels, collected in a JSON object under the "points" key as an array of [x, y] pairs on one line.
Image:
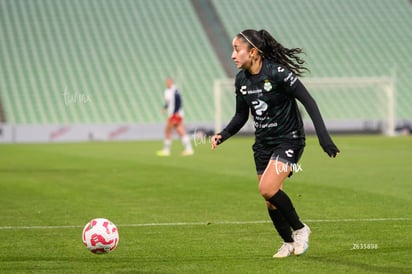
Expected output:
{"points": [[271, 49]]}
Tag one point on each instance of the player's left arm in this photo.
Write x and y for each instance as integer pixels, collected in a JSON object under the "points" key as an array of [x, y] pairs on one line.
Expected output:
{"points": [[178, 102], [301, 93]]}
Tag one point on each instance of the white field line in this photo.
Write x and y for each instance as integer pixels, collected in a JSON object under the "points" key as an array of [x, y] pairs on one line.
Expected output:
{"points": [[211, 223]]}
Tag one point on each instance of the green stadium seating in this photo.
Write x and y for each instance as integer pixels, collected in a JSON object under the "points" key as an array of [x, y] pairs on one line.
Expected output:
{"points": [[105, 61], [102, 61], [351, 38]]}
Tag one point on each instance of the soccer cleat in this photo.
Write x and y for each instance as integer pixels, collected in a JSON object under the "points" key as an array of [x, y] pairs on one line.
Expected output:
{"points": [[284, 251], [187, 152], [163, 153], [301, 240]]}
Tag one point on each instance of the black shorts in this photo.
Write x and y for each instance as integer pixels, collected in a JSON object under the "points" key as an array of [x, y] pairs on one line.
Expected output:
{"points": [[288, 153]]}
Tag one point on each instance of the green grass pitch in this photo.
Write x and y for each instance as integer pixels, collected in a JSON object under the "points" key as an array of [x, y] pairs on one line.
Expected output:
{"points": [[203, 214]]}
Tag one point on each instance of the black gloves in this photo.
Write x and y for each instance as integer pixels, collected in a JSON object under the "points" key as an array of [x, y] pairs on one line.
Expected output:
{"points": [[327, 144]]}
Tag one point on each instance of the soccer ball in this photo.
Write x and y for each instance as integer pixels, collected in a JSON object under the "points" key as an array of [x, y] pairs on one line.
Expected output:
{"points": [[100, 236]]}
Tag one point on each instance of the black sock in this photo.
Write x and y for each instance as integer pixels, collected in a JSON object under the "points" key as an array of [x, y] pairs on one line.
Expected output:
{"points": [[282, 202], [281, 225]]}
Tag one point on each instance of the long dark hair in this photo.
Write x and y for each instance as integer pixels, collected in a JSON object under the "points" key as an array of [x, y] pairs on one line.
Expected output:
{"points": [[271, 49]]}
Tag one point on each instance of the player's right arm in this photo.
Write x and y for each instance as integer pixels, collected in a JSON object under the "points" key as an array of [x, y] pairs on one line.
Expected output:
{"points": [[166, 101], [238, 121]]}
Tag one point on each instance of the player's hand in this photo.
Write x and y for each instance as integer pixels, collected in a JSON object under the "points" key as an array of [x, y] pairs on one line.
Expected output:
{"points": [[328, 146], [331, 149], [216, 140]]}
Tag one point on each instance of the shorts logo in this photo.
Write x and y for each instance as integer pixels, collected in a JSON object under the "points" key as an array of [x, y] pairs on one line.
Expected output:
{"points": [[289, 153]]}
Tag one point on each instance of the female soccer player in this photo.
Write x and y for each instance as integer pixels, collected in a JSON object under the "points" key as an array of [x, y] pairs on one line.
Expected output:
{"points": [[268, 85], [173, 106]]}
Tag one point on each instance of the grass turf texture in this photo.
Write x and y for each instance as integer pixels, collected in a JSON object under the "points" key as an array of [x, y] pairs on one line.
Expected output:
{"points": [[203, 214]]}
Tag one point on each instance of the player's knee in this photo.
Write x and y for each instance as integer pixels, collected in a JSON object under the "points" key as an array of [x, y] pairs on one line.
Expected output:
{"points": [[266, 191]]}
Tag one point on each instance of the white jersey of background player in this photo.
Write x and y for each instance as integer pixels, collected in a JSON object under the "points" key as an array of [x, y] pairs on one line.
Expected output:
{"points": [[173, 101], [173, 107]]}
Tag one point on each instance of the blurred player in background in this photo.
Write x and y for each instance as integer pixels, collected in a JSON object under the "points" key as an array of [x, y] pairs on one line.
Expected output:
{"points": [[268, 87], [173, 107]]}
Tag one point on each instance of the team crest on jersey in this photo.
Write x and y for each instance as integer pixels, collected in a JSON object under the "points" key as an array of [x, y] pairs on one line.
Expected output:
{"points": [[267, 85]]}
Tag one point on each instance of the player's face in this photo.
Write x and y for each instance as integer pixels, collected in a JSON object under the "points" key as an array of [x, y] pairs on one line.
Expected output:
{"points": [[169, 83], [241, 54]]}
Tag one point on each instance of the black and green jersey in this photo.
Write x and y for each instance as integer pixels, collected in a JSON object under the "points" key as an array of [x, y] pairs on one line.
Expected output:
{"points": [[270, 97]]}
